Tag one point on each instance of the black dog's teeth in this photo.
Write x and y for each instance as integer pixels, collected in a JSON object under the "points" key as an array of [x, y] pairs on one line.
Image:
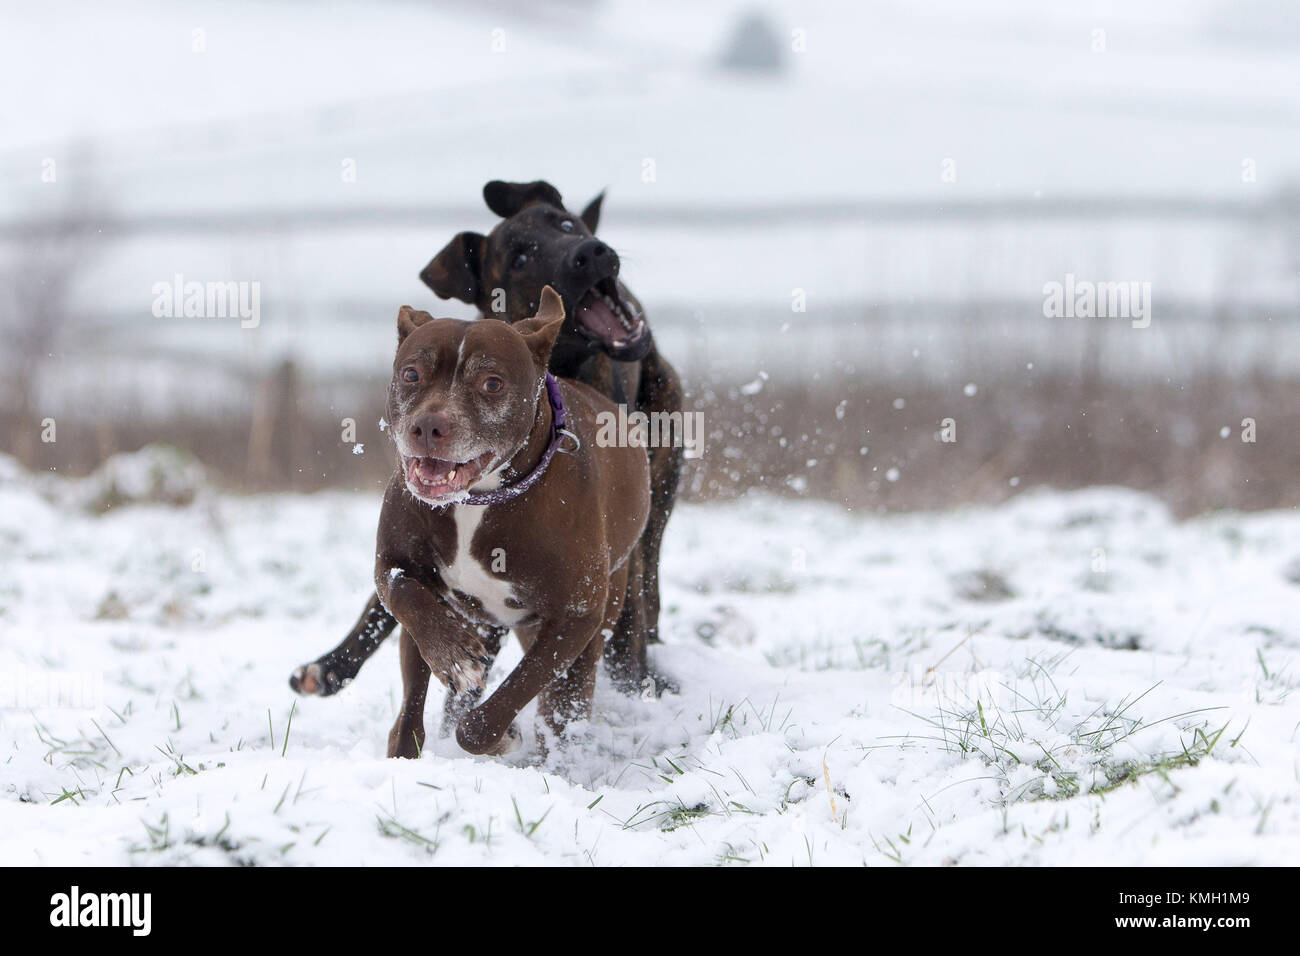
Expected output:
{"points": [[617, 308]]}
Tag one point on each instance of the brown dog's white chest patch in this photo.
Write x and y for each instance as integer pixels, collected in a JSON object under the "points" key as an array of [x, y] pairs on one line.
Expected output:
{"points": [[465, 574]]}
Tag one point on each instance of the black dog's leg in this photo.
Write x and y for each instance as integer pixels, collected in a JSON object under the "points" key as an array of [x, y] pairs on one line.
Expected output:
{"points": [[638, 626], [663, 494], [331, 673], [625, 655]]}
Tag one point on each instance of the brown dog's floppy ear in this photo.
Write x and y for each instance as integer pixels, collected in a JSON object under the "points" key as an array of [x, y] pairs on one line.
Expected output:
{"points": [[541, 330], [408, 320], [454, 272], [506, 199], [591, 215]]}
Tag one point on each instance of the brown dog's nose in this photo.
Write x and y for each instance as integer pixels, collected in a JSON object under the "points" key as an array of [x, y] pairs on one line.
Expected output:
{"points": [[429, 428]]}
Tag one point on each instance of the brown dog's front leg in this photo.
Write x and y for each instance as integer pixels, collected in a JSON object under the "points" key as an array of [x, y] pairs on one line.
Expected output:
{"points": [[559, 644], [406, 739], [451, 648], [455, 706]]}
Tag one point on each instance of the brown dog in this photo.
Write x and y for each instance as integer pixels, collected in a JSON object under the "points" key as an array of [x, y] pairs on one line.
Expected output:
{"points": [[604, 342], [504, 511]]}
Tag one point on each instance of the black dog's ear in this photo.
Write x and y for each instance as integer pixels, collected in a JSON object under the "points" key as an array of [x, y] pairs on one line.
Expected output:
{"points": [[506, 199], [591, 215], [454, 272]]}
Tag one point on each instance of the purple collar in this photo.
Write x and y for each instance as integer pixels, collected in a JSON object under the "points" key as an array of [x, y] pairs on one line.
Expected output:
{"points": [[558, 431]]}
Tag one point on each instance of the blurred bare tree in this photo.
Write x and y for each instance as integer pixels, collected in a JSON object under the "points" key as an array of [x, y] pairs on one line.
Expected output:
{"points": [[36, 282]]}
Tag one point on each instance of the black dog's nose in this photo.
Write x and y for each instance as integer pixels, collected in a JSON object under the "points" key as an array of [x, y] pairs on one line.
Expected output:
{"points": [[430, 427], [591, 257]]}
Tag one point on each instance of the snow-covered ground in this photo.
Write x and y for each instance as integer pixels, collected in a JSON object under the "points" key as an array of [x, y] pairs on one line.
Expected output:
{"points": [[1069, 678]]}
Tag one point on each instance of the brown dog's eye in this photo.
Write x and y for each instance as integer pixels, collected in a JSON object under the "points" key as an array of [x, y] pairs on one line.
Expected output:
{"points": [[567, 225], [493, 384], [520, 261], [410, 374]]}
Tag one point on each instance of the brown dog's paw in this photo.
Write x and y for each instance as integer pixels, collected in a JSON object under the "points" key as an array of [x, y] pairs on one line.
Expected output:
{"points": [[406, 741], [314, 680], [466, 675], [463, 667], [511, 741], [475, 736]]}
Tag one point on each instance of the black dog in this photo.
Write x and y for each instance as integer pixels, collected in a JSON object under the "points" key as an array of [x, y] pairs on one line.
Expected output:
{"points": [[604, 343]]}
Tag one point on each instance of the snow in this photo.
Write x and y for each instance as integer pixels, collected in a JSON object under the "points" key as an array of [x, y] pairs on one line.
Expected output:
{"points": [[825, 659]]}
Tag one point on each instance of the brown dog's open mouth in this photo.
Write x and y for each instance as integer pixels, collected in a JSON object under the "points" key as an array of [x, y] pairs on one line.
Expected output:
{"points": [[434, 479], [605, 314]]}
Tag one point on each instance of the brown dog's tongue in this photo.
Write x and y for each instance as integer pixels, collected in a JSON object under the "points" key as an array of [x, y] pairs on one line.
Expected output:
{"points": [[431, 469], [599, 318], [445, 477]]}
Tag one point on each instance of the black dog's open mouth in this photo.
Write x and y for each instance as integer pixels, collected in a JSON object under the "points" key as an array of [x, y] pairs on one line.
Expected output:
{"points": [[434, 479], [606, 315]]}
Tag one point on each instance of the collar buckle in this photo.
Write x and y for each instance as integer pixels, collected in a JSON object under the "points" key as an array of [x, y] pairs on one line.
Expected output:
{"points": [[577, 442]]}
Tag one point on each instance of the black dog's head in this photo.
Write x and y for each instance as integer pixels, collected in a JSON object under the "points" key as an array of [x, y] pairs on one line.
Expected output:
{"points": [[540, 243]]}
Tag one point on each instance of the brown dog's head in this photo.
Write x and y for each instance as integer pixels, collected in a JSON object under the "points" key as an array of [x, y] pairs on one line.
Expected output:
{"points": [[540, 243], [464, 397]]}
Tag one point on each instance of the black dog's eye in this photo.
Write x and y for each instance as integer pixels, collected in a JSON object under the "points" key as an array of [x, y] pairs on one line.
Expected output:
{"points": [[493, 383], [520, 261], [410, 374], [567, 225]]}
